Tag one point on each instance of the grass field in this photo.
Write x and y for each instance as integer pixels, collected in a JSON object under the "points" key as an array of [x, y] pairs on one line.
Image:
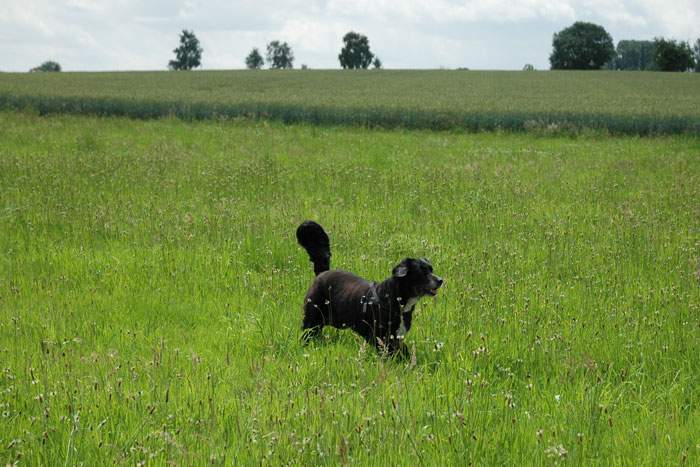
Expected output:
{"points": [[617, 102], [151, 289]]}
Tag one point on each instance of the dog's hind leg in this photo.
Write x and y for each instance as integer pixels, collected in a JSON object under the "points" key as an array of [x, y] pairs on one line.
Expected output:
{"points": [[310, 333]]}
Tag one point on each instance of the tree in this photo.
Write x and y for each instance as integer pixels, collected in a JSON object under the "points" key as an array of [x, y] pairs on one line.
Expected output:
{"points": [[279, 55], [189, 54], [254, 60], [528, 67], [634, 55], [581, 46], [377, 63], [697, 55], [670, 55], [47, 66], [355, 54]]}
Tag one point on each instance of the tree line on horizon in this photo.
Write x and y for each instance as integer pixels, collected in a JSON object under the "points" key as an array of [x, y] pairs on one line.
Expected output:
{"points": [[581, 46], [588, 46], [355, 54]]}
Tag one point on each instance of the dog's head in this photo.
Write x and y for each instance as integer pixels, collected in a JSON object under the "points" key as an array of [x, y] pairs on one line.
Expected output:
{"points": [[416, 277]]}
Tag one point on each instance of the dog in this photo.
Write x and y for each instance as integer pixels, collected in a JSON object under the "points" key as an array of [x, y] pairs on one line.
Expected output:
{"points": [[379, 312]]}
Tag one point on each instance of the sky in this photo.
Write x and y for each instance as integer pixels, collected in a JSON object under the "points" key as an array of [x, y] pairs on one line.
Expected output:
{"points": [[101, 35]]}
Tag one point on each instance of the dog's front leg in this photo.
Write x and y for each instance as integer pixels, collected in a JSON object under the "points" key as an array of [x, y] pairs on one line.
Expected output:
{"points": [[398, 348], [369, 331]]}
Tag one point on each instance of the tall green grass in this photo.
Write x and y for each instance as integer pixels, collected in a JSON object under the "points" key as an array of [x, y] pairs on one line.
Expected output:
{"points": [[151, 289], [621, 103]]}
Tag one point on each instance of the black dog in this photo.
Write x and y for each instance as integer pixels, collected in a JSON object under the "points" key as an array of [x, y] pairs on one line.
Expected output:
{"points": [[381, 313]]}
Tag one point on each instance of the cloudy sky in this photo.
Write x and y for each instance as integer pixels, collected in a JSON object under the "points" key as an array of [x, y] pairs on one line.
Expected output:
{"points": [[478, 34]]}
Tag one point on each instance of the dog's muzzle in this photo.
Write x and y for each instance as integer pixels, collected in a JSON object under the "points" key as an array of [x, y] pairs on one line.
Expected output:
{"points": [[437, 281]]}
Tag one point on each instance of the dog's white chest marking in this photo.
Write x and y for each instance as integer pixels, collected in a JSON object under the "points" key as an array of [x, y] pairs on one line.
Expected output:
{"points": [[401, 332], [407, 308]]}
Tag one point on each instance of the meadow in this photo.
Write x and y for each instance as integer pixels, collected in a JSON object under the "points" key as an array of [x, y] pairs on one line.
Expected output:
{"points": [[151, 289], [638, 103]]}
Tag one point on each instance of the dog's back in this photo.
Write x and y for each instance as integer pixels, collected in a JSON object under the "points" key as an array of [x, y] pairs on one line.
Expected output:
{"points": [[335, 297]]}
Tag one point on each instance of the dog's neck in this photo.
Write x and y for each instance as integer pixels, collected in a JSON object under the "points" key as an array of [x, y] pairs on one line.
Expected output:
{"points": [[409, 305], [390, 290]]}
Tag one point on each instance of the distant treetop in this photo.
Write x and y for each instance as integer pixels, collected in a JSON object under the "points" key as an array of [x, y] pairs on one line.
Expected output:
{"points": [[254, 61], [581, 46], [670, 55], [189, 54], [279, 55], [47, 66], [633, 55], [355, 52]]}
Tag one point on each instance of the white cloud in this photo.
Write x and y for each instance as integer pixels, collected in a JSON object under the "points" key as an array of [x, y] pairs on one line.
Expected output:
{"points": [[679, 19], [613, 12]]}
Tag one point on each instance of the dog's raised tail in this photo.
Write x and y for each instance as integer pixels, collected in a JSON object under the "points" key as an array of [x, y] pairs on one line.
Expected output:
{"points": [[315, 241]]}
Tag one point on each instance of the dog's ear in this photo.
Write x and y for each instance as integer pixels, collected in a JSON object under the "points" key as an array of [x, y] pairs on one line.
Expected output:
{"points": [[400, 270], [426, 261]]}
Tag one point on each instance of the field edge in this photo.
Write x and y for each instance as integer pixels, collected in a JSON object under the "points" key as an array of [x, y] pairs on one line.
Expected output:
{"points": [[410, 119]]}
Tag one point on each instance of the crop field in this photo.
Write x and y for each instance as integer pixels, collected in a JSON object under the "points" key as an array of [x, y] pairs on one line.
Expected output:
{"points": [[638, 103], [151, 291]]}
